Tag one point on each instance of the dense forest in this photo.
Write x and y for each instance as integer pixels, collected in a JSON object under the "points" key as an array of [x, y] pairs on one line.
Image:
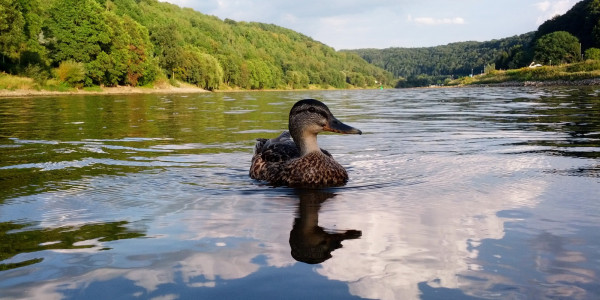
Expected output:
{"points": [[563, 39], [134, 42]]}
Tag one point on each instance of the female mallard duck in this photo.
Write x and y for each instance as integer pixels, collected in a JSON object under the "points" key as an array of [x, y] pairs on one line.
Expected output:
{"points": [[294, 158]]}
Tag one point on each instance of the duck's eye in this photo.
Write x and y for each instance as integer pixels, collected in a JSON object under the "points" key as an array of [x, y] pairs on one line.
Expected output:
{"points": [[312, 109]]}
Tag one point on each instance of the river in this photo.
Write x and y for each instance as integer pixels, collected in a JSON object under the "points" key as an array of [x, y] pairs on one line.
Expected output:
{"points": [[454, 193]]}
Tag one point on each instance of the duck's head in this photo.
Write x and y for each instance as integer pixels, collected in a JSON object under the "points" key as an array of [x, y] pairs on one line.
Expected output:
{"points": [[308, 117]]}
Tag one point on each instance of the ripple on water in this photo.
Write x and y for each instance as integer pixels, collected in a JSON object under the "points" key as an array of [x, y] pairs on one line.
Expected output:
{"points": [[452, 190]]}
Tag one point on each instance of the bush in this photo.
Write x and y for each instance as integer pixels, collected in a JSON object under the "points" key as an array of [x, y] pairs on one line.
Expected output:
{"points": [[174, 82], [587, 66], [356, 79], [11, 82], [199, 68], [296, 79], [592, 53], [70, 72], [37, 73]]}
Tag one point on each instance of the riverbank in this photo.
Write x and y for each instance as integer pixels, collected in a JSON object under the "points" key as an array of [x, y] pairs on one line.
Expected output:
{"points": [[577, 74], [583, 82], [123, 90]]}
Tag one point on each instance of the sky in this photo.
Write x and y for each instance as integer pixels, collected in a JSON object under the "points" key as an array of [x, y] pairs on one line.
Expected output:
{"points": [[354, 24]]}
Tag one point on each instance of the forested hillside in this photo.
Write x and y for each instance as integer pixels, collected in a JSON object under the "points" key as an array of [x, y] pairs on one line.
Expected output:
{"points": [[562, 39], [134, 42]]}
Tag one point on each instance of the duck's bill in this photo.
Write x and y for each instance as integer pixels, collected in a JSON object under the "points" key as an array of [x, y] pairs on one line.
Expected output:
{"points": [[336, 126]]}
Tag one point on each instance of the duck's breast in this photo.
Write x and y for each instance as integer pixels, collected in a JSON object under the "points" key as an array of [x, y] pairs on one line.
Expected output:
{"points": [[315, 169]]}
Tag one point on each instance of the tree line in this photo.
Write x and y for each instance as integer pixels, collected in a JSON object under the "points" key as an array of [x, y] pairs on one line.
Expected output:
{"points": [[135, 42], [430, 65]]}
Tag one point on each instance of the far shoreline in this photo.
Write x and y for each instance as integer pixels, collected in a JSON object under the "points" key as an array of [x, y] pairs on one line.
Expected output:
{"points": [[128, 90], [533, 83]]}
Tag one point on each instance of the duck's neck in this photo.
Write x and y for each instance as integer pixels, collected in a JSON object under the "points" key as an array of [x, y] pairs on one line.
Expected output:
{"points": [[307, 143]]}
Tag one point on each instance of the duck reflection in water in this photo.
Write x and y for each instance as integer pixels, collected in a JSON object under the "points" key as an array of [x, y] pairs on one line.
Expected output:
{"points": [[311, 243]]}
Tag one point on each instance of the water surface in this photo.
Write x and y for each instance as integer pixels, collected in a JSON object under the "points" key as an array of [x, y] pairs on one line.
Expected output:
{"points": [[486, 193]]}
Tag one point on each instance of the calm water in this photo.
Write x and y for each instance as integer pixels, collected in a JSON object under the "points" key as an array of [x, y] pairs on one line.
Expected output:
{"points": [[488, 193]]}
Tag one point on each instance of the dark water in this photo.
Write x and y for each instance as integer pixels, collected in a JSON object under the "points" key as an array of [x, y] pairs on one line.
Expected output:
{"points": [[489, 193]]}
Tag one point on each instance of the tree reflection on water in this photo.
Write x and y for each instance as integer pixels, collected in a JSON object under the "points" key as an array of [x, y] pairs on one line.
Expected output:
{"points": [[16, 239]]}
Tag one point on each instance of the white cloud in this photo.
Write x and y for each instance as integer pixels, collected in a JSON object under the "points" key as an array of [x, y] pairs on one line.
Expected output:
{"points": [[543, 6], [549, 9], [439, 21]]}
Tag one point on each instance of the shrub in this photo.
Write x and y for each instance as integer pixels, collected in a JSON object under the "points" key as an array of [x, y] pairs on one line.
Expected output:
{"points": [[37, 73], [70, 72], [11, 82], [587, 66], [592, 53]]}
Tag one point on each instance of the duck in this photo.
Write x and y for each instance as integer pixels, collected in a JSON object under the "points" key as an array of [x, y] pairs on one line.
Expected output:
{"points": [[294, 158]]}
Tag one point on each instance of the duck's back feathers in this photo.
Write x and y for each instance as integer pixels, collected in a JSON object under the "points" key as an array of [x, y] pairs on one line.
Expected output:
{"points": [[271, 154], [279, 149]]}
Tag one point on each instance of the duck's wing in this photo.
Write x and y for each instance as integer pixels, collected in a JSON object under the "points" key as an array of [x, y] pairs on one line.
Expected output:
{"points": [[270, 155]]}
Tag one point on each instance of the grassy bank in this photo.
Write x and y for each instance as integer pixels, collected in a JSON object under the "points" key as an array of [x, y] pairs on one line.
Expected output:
{"points": [[17, 86], [12, 83], [581, 71]]}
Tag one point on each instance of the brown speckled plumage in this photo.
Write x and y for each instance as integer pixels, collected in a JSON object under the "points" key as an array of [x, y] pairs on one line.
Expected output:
{"points": [[293, 158], [314, 169]]}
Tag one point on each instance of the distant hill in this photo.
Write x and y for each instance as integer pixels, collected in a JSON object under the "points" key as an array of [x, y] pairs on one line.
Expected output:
{"points": [[131, 42], [458, 59], [434, 65]]}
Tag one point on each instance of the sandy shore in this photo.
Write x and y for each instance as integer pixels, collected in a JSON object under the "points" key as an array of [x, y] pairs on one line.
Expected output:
{"points": [[105, 91]]}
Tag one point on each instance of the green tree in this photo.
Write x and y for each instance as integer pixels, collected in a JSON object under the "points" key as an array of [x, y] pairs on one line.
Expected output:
{"points": [[557, 47], [33, 51], [260, 73], [128, 60], [199, 68], [232, 65], [212, 72], [11, 30], [296, 79], [168, 48], [77, 30], [356, 79], [142, 66], [592, 53]]}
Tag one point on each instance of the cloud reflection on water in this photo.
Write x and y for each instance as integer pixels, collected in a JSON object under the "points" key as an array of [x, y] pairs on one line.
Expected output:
{"points": [[432, 237]]}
